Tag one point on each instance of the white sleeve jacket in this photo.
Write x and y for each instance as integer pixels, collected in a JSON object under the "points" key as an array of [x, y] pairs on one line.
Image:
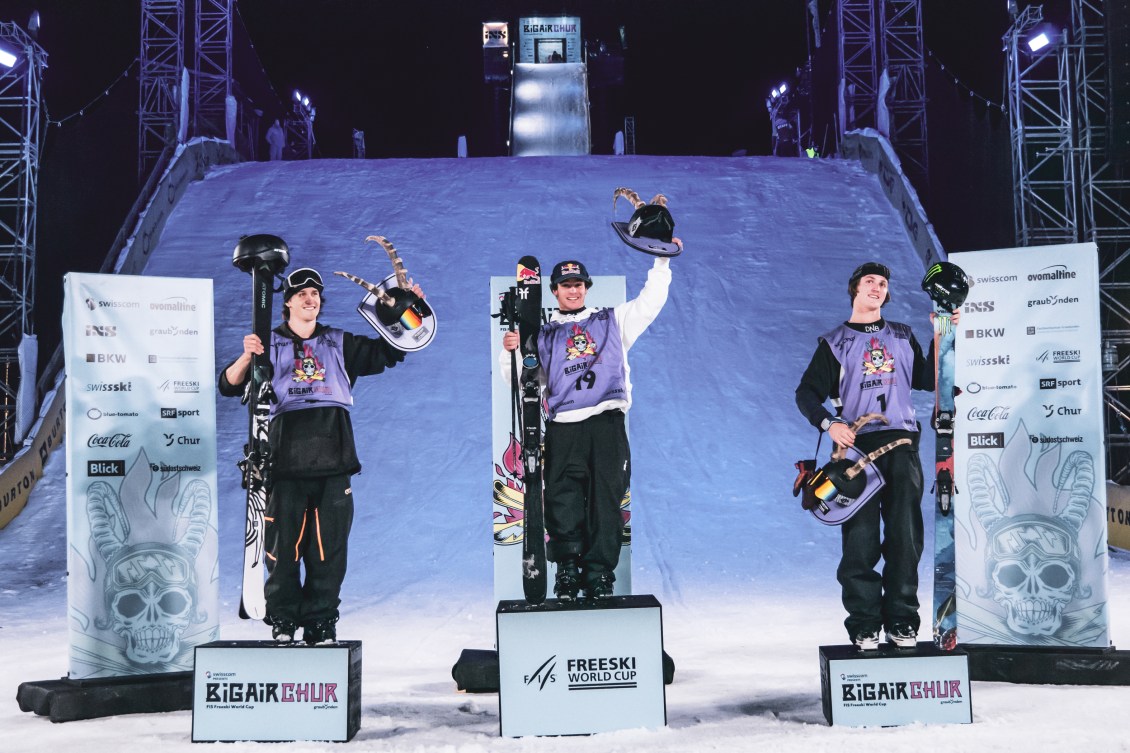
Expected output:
{"points": [[633, 318]]}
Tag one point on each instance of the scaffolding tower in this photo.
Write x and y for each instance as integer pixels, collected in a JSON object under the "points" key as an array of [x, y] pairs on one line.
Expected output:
{"points": [[212, 67], [1067, 186], [162, 60], [21, 127]]}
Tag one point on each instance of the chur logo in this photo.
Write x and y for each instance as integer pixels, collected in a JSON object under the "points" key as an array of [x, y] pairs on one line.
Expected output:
{"points": [[1060, 410], [543, 674]]}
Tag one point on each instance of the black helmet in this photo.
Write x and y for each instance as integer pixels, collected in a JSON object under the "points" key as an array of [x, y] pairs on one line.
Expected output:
{"points": [[947, 285], [652, 221], [261, 249]]}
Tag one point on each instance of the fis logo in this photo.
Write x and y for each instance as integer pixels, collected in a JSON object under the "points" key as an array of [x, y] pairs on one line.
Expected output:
{"points": [[543, 674]]}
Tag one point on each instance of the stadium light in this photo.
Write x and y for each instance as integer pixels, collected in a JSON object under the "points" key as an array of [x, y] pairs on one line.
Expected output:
{"points": [[1038, 42], [7, 59], [297, 96]]}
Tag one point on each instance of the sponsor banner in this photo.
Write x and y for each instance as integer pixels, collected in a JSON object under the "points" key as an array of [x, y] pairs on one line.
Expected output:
{"points": [[141, 473], [247, 690], [20, 475], [496, 34], [508, 493], [1031, 515], [883, 691], [584, 671], [550, 40]]}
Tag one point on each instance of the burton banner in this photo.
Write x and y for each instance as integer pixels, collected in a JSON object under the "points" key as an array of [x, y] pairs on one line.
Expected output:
{"points": [[1031, 525], [506, 448], [143, 557]]}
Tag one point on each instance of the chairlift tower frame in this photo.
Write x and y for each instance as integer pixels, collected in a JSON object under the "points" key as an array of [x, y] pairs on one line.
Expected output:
{"points": [[162, 60], [21, 128]]}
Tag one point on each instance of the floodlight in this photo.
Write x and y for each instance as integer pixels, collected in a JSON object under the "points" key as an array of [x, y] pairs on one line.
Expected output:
{"points": [[297, 96], [784, 88], [773, 93], [1038, 42], [7, 59], [305, 101]]}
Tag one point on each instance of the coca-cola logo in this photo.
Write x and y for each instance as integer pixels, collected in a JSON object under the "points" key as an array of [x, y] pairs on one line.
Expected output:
{"points": [[996, 413], [108, 440]]}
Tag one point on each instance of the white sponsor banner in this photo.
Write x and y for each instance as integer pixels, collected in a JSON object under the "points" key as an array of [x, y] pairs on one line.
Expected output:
{"points": [[508, 485], [143, 560], [1031, 538], [550, 40]]}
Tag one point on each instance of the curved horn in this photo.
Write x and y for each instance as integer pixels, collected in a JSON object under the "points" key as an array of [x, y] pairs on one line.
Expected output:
{"points": [[856, 425], [397, 262], [628, 194], [872, 456], [376, 290], [109, 526], [984, 478], [659, 199], [194, 508], [1079, 469]]}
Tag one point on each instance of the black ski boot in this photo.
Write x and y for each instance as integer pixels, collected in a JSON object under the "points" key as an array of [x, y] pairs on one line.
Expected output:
{"points": [[599, 585], [568, 583], [320, 631], [282, 630]]}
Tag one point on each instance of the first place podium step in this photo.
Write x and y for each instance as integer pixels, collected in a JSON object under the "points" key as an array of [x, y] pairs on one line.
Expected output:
{"points": [[579, 668]]}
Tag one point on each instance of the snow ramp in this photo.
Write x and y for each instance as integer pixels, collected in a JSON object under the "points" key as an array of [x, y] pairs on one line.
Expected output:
{"points": [[550, 110]]}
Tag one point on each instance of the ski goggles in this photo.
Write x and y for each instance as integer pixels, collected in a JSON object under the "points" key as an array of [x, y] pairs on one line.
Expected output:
{"points": [[302, 278]]}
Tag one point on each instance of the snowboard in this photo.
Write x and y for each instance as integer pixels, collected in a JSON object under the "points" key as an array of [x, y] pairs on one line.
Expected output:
{"points": [[947, 286], [262, 256], [527, 310]]}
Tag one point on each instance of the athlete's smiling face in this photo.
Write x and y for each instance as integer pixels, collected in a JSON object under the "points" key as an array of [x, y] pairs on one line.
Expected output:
{"points": [[871, 293], [570, 295], [305, 305]]}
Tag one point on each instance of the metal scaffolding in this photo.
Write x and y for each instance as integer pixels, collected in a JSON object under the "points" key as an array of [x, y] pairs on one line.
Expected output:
{"points": [[212, 67], [902, 56], [1066, 186], [162, 61], [21, 127], [880, 37]]}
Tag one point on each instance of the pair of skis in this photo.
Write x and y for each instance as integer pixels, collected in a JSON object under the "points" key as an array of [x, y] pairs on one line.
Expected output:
{"points": [[522, 310], [947, 285]]}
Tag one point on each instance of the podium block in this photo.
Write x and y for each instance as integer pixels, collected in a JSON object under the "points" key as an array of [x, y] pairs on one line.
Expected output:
{"points": [[580, 668], [891, 687], [271, 692]]}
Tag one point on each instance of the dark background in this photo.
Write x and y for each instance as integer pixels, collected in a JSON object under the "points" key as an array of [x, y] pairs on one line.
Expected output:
{"points": [[410, 74]]}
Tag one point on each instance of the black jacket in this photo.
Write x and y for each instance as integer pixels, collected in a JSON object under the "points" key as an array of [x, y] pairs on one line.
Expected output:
{"points": [[315, 442]]}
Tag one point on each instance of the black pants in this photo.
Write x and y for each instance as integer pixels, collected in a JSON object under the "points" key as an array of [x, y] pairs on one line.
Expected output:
{"points": [[587, 470], [308, 522], [872, 599]]}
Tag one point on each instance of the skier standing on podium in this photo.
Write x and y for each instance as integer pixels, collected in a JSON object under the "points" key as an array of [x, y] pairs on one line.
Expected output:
{"points": [[584, 363], [870, 365], [313, 455]]}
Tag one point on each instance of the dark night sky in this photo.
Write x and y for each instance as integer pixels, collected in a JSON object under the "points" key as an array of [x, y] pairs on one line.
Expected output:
{"points": [[410, 75]]}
